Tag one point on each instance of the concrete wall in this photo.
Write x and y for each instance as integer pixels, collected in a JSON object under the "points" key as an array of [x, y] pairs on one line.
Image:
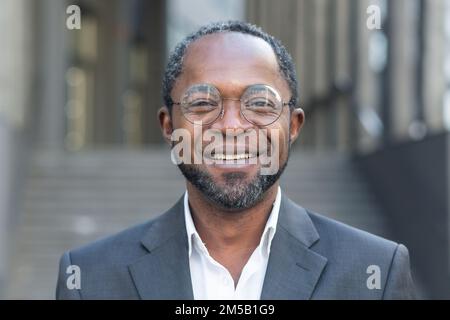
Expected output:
{"points": [[16, 74], [5, 197]]}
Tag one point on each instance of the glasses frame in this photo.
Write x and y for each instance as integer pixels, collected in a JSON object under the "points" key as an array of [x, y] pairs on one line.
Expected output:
{"points": [[222, 110]]}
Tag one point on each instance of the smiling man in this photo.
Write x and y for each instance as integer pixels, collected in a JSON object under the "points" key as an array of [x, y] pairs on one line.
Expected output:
{"points": [[230, 97]]}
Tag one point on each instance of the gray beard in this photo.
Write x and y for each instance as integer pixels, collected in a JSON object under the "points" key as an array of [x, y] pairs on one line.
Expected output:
{"points": [[236, 195]]}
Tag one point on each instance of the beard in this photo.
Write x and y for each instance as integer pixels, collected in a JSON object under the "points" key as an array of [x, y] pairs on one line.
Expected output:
{"points": [[236, 194]]}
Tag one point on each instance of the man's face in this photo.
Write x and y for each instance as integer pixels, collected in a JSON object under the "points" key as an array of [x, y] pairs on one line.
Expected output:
{"points": [[232, 62]]}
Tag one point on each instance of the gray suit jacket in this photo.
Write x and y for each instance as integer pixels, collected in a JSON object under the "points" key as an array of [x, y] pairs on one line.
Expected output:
{"points": [[312, 257]]}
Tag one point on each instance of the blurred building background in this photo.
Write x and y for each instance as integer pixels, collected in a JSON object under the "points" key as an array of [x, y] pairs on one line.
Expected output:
{"points": [[81, 150]]}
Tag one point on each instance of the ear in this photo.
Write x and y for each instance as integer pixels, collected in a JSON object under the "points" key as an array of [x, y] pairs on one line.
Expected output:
{"points": [[165, 123], [297, 121]]}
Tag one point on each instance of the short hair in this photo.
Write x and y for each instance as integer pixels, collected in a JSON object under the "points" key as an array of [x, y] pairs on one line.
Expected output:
{"points": [[175, 63]]}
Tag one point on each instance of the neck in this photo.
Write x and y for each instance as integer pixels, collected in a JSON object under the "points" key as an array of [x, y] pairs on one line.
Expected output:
{"points": [[229, 230]]}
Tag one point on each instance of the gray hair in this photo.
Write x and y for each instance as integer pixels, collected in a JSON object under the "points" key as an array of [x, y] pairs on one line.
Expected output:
{"points": [[175, 62]]}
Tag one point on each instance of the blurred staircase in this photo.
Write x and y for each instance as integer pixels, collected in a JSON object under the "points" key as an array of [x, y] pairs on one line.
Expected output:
{"points": [[74, 198]]}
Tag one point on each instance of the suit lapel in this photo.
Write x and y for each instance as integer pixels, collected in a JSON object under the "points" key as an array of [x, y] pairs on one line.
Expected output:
{"points": [[163, 273], [293, 269], [292, 272]]}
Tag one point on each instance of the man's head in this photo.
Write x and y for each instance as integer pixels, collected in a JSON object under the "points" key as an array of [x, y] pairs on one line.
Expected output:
{"points": [[231, 57]]}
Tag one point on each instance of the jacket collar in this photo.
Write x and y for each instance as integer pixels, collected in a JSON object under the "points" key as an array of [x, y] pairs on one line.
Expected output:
{"points": [[294, 268]]}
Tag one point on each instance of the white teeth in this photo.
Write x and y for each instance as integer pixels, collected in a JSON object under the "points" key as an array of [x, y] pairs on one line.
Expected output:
{"points": [[232, 156]]}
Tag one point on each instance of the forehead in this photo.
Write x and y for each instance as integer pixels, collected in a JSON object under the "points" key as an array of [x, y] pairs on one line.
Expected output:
{"points": [[232, 61]]}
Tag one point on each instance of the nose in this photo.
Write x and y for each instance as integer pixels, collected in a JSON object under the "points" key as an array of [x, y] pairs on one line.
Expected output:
{"points": [[231, 117]]}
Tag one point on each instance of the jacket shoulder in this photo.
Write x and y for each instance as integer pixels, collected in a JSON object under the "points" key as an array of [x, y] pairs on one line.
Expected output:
{"points": [[340, 235], [355, 258], [103, 265], [119, 247]]}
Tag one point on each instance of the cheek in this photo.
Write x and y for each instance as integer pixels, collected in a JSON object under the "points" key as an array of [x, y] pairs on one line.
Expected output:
{"points": [[283, 141], [183, 135], [279, 138], [282, 127], [178, 120]]}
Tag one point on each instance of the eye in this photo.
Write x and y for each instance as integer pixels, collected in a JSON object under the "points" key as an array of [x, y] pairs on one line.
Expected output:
{"points": [[201, 106], [260, 103], [203, 103]]}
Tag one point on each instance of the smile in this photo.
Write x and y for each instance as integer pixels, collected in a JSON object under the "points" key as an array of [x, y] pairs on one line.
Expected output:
{"points": [[248, 150], [240, 156]]}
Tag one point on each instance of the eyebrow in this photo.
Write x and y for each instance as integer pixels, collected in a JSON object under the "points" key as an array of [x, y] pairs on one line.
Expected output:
{"points": [[259, 87], [254, 88], [206, 88]]}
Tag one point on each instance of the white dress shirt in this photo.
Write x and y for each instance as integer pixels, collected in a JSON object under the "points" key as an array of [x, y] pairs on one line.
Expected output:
{"points": [[211, 280]]}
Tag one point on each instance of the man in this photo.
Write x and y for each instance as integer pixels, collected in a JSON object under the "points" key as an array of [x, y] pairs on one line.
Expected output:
{"points": [[234, 234]]}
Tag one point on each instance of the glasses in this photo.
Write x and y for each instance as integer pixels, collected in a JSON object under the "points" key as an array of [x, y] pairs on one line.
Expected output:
{"points": [[261, 104]]}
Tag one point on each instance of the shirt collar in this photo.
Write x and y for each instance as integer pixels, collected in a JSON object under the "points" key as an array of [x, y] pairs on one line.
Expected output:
{"points": [[266, 238]]}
